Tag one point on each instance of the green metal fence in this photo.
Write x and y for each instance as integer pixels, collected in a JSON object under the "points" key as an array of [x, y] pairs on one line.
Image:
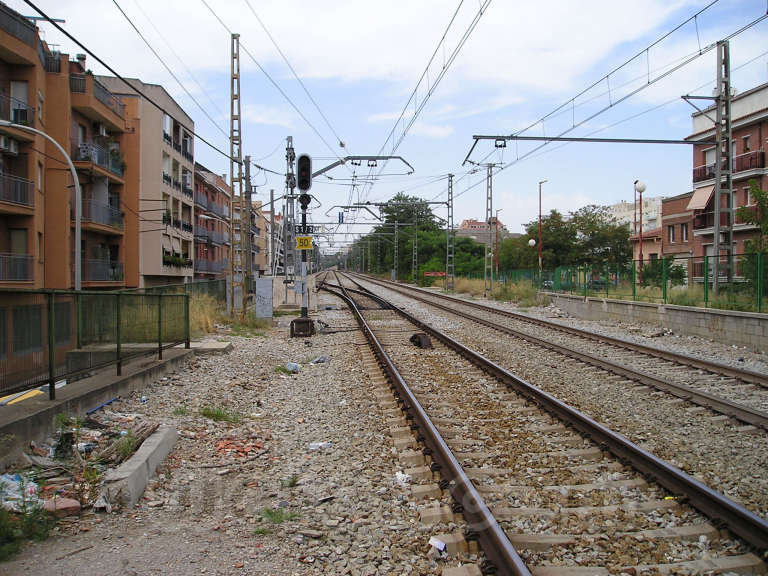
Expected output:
{"points": [[216, 288], [47, 336], [681, 280]]}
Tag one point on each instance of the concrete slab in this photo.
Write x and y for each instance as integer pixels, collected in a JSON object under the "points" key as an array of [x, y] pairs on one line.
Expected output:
{"points": [[209, 347], [125, 484]]}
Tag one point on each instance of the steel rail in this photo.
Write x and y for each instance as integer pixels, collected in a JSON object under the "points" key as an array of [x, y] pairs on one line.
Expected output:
{"points": [[714, 367], [492, 538], [738, 411], [742, 522]]}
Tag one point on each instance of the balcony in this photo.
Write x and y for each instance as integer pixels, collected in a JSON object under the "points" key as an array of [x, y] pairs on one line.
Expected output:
{"points": [[15, 267], [187, 226], [754, 160], [17, 26], [17, 191], [177, 184], [187, 155], [91, 98], [102, 270], [167, 178], [186, 190], [91, 152], [103, 214], [176, 260], [177, 146], [210, 266], [16, 111], [177, 222], [202, 233], [219, 210], [201, 200]]}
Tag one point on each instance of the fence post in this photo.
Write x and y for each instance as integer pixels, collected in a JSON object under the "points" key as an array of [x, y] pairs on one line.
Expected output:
{"points": [[759, 281], [586, 271], [664, 279], [118, 335], [607, 276], [186, 321], [51, 348], [160, 326], [706, 281]]}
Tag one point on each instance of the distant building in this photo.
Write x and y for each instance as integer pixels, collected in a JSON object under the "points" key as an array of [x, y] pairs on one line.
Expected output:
{"points": [[212, 233], [480, 231], [624, 213], [652, 245], [165, 176]]}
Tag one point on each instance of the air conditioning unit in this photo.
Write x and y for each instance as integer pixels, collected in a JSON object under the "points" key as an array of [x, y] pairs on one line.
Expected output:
{"points": [[4, 142], [13, 146]]}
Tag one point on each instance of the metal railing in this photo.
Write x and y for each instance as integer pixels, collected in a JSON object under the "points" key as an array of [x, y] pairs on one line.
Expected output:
{"points": [[15, 267], [108, 99], [747, 161], [210, 266], [49, 336], [92, 152], [202, 232], [16, 111], [16, 190], [201, 200], [17, 26], [101, 213], [219, 210], [102, 270]]}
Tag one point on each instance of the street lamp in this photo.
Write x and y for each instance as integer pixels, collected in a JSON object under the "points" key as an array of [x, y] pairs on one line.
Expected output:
{"points": [[540, 183], [78, 194], [639, 189]]}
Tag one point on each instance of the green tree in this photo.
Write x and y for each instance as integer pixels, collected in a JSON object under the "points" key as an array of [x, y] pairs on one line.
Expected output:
{"points": [[600, 239], [558, 239], [757, 214]]}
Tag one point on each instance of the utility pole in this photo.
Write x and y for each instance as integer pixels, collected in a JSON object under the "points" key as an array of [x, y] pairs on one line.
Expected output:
{"points": [[723, 167], [488, 261], [289, 244], [236, 260], [247, 242], [397, 256], [271, 229], [415, 263], [449, 241]]}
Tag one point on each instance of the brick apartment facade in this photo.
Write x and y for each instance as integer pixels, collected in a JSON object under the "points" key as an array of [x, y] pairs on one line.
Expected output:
{"points": [[212, 233]]}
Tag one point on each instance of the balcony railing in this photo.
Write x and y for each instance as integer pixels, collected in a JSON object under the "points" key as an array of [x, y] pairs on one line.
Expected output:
{"points": [[102, 270], [177, 146], [78, 83], [16, 111], [219, 210], [15, 267], [177, 222], [201, 200], [90, 152], [167, 178], [202, 232], [166, 137], [177, 184], [186, 190], [211, 266], [17, 26], [101, 213], [15, 190], [188, 155], [741, 163], [176, 260], [187, 226]]}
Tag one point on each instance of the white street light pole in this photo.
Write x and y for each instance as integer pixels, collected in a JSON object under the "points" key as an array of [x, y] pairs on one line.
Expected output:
{"points": [[78, 195]]}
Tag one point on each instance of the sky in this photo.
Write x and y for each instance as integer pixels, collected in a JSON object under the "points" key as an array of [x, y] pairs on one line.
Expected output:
{"points": [[363, 64]]}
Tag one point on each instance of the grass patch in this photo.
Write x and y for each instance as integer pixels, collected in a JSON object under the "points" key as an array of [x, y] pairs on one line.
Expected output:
{"points": [[126, 446], [277, 515], [205, 312], [220, 415], [290, 482], [262, 531], [282, 370], [181, 411], [286, 312], [32, 523], [249, 325]]}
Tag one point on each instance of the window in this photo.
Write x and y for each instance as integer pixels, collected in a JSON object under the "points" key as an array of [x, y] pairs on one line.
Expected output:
{"points": [[40, 246], [82, 135], [748, 200], [62, 322], [18, 237], [39, 106], [746, 144], [684, 232], [3, 333], [671, 234], [27, 329], [40, 177], [709, 157]]}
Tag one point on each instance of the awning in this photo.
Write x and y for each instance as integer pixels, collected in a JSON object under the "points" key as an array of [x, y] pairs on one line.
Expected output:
{"points": [[700, 198]]}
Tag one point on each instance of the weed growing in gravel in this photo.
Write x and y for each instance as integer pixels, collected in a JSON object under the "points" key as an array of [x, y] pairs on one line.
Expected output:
{"points": [[126, 446], [219, 414], [181, 411], [30, 523], [277, 515], [286, 312], [262, 531], [290, 482], [282, 370]]}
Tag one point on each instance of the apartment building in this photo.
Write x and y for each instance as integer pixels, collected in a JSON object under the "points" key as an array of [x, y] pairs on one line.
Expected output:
{"points": [[749, 129], [45, 90], [628, 213], [257, 234], [22, 161], [165, 179], [480, 231], [211, 236]]}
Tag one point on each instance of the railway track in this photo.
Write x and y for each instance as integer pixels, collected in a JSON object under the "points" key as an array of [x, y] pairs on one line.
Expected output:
{"points": [[544, 487], [741, 394]]}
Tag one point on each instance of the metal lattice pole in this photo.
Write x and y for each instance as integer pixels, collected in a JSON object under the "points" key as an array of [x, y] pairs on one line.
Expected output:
{"points": [[449, 241], [236, 268], [488, 262], [289, 244], [397, 256], [415, 256], [723, 167]]}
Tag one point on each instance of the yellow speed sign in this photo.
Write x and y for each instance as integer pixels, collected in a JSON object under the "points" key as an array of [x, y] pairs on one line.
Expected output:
{"points": [[303, 242]]}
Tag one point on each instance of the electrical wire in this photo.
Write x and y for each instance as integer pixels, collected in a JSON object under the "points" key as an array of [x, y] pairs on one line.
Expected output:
{"points": [[272, 81], [285, 59], [171, 72], [181, 61], [114, 72]]}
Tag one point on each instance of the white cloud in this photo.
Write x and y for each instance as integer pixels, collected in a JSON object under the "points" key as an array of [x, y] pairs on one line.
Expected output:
{"points": [[435, 131]]}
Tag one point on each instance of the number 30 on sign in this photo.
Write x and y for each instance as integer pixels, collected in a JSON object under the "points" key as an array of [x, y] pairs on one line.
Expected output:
{"points": [[303, 242]]}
